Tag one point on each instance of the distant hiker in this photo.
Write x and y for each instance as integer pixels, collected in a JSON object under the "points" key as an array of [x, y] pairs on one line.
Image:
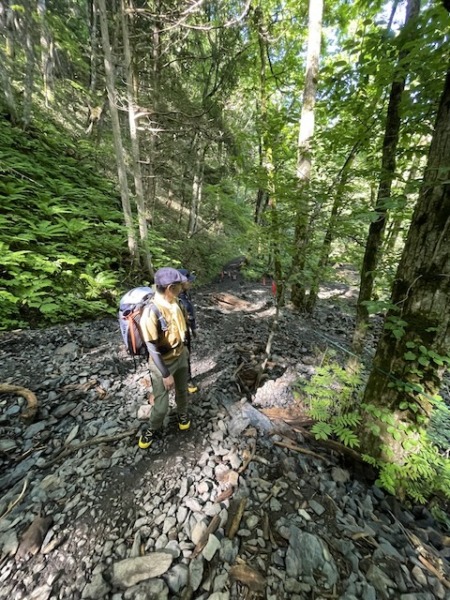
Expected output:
{"points": [[165, 338], [186, 301]]}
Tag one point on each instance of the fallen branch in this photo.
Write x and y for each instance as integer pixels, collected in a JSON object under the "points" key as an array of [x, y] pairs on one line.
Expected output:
{"points": [[224, 495], [246, 575], [268, 348], [215, 522], [250, 456], [29, 414], [96, 440], [235, 514], [434, 571], [331, 445], [16, 501], [295, 448]]}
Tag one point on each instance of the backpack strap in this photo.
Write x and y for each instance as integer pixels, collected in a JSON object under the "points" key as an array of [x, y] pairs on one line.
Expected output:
{"points": [[161, 320]]}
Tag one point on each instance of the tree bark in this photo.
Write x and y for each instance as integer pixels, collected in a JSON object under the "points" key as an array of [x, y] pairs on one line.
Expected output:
{"points": [[197, 189], [6, 26], [306, 132], [267, 161], [118, 147], [135, 150], [93, 42], [30, 63], [387, 175], [330, 232], [46, 53], [405, 371]]}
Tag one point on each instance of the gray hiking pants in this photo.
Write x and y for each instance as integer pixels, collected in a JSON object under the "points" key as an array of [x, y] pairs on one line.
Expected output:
{"points": [[179, 369]]}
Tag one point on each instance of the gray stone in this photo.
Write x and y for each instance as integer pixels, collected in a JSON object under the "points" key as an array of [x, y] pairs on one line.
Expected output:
{"points": [[307, 555], [177, 578], [156, 589], [42, 593], [317, 508], [97, 588], [9, 543], [63, 409], [7, 444], [35, 428], [131, 571], [212, 545], [340, 475], [379, 580], [196, 567], [229, 550]]}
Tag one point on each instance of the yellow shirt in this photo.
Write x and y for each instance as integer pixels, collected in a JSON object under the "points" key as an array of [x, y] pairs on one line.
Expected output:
{"points": [[170, 343]]}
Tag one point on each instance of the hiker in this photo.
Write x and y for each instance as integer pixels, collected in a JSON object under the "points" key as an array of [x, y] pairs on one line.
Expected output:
{"points": [[186, 301], [169, 356]]}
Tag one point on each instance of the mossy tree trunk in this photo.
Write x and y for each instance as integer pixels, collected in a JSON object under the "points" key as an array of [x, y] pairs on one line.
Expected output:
{"points": [[408, 367], [387, 176], [304, 162]]}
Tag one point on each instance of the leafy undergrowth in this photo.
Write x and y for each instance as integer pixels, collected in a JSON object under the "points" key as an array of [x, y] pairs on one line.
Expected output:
{"points": [[61, 229]]}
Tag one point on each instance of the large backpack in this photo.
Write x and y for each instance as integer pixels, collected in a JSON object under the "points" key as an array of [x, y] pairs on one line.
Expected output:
{"points": [[131, 307]]}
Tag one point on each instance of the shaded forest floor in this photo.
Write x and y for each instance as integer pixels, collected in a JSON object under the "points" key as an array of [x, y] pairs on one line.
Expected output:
{"points": [[241, 506]]}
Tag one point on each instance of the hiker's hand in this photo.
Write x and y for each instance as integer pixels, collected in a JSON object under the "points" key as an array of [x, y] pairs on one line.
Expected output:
{"points": [[194, 334], [169, 382]]}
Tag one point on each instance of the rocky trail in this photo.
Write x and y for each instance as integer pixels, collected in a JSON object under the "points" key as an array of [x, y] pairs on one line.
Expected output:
{"points": [[241, 506]]}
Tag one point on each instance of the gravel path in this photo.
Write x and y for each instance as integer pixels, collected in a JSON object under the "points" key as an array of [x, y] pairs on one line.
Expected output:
{"points": [[223, 511]]}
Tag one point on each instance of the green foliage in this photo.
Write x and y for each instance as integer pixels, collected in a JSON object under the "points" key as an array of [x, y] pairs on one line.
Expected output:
{"points": [[335, 405], [61, 233], [396, 325], [332, 397], [439, 427], [423, 473]]}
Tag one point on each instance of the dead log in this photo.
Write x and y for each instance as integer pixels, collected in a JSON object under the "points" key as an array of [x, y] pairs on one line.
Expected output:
{"points": [[229, 302], [29, 414]]}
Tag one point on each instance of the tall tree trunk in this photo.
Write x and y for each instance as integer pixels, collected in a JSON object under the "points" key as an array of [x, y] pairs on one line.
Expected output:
{"points": [[330, 232], [197, 189], [262, 197], [397, 220], [29, 7], [46, 53], [152, 189], [93, 25], [135, 151], [407, 370], [5, 66], [267, 160], [118, 147], [7, 88], [387, 175], [306, 132]]}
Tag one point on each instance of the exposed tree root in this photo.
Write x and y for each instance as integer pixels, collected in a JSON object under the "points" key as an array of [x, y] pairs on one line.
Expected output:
{"points": [[29, 414]]}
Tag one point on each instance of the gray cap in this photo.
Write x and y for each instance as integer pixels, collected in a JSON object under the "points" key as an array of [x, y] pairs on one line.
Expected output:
{"points": [[166, 276]]}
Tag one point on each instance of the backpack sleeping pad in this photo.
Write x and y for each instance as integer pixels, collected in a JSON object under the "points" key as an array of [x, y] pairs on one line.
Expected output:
{"points": [[131, 308]]}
